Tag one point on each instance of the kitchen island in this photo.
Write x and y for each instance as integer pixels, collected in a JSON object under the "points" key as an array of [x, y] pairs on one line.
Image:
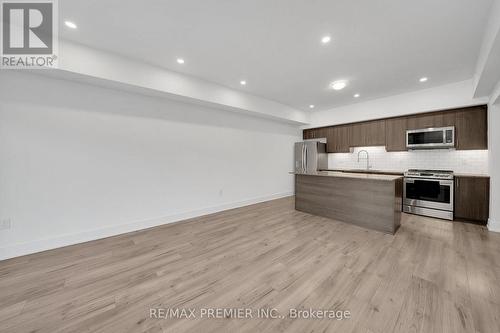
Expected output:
{"points": [[371, 201]]}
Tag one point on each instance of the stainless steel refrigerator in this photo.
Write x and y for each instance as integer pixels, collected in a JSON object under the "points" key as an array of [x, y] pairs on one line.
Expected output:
{"points": [[310, 156]]}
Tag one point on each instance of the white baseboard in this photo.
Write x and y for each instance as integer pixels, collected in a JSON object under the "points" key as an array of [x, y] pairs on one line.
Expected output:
{"points": [[21, 249], [493, 225]]}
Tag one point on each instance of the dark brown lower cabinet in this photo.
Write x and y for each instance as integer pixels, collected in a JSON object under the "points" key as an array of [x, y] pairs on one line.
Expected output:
{"points": [[472, 198]]}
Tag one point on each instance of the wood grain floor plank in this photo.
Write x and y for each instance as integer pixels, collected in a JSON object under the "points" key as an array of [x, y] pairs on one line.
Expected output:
{"points": [[431, 276]]}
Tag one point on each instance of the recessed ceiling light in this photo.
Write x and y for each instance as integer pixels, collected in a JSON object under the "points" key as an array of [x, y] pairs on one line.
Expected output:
{"points": [[243, 82], [311, 106], [423, 79], [70, 24], [326, 39], [338, 85], [180, 60], [356, 95]]}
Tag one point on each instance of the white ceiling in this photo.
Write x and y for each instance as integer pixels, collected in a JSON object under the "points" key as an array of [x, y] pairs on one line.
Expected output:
{"points": [[382, 47]]}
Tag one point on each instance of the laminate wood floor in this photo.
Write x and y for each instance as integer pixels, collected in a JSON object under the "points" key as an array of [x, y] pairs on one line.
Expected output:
{"points": [[431, 276]]}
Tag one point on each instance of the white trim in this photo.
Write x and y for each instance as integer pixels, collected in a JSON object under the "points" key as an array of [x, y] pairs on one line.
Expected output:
{"points": [[493, 225], [495, 95], [21, 249]]}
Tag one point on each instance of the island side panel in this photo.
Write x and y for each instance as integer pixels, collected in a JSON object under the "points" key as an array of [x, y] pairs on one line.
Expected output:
{"points": [[398, 203], [365, 202]]}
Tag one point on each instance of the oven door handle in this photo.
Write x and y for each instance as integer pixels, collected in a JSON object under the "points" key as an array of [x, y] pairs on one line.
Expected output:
{"points": [[440, 181]]}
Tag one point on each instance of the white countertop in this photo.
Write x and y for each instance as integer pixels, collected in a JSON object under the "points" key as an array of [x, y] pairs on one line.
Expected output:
{"points": [[394, 172], [340, 174]]}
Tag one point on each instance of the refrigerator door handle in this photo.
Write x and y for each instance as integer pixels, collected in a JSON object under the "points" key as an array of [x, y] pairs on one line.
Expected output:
{"points": [[305, 158], [302, 157]]}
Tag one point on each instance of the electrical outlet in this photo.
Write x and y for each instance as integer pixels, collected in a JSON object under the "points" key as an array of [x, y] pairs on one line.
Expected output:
{"points": [[5, 224]]}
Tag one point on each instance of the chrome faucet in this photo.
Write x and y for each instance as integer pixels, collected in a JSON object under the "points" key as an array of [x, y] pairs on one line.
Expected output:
{"points": [[368, 166]]}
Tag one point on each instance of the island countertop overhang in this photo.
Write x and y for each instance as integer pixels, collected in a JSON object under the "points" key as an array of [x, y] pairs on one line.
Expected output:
{"points": [[340, 174]]}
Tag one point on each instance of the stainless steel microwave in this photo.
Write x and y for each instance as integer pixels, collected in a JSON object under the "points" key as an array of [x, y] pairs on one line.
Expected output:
{"points": [[431, 138]]}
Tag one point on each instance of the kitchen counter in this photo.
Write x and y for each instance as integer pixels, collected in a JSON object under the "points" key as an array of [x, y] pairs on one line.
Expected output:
{"points": [[353, 175], [370, 171], [371, 201], [401, 173], [471, 175]]}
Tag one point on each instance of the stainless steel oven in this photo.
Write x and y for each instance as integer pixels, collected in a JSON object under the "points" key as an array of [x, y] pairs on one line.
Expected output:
{"points": [[429, 193], [431, 138]]}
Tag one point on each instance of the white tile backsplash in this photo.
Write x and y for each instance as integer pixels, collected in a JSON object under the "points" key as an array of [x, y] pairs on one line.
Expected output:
{"points": [[460, 161]]}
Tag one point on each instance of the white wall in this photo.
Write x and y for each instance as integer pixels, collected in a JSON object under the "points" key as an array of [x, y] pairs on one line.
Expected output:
{"points": [[494, 165], [444, 97], [459, 161], [487, 73], [80, 162], [103, 67]]}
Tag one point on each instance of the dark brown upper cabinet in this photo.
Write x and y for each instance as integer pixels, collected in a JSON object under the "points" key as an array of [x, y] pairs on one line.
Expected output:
{"points": [[472, 197], [433, 119], [321, 132], [422, 121], [395, 134], [307, 134], [449, 118], [337, 139], [357, 135], [314, 133], [376, 133], [370, 133], [471, 128]]}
